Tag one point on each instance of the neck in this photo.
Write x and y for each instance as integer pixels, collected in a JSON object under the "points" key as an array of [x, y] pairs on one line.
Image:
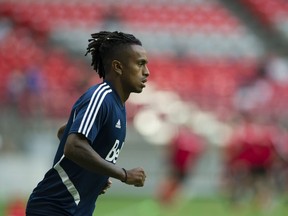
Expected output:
{"points": [[119, 89]]}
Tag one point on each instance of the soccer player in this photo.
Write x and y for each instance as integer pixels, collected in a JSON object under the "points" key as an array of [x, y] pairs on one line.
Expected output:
{"points": [[249, 157], [184, 151], [91, 140]]}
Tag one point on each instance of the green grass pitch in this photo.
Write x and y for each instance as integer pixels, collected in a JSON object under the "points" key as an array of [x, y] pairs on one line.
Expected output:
{"points": [[134, 206], [109, 206]]}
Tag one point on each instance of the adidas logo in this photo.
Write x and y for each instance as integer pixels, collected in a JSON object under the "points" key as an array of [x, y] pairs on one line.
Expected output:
{"points": [[118, 124]]}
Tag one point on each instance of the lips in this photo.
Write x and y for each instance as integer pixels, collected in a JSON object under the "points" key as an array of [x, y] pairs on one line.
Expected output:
{"points": [[143, 82]]}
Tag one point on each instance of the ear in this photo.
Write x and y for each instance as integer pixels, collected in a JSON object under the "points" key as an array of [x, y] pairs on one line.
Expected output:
{"points": [[117, 67]]}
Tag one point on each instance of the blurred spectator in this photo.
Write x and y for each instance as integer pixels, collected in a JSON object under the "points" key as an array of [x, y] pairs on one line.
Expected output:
{"points": [[33, 92], [249, 158], [35, 82], [255, 92], [280, 165], [15, 86], [24, 89], [183, 154], [112, 18], [276, 68], [5, 28]]}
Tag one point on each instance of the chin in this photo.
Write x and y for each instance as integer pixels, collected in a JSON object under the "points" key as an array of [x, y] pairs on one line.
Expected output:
{"points": [[138, 90]]}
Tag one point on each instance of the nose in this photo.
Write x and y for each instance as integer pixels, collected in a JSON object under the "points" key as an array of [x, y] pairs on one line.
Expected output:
{"points": [[146, 71]]}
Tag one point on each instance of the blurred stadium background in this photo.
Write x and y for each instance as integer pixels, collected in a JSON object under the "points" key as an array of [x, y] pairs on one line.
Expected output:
{"points": [[201, 53]]}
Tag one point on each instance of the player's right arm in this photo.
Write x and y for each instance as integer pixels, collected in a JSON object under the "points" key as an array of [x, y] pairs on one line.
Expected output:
{"points": [[78, 149]]}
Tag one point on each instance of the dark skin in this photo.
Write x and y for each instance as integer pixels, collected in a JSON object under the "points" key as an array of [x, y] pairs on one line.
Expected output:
{"points": [[59, 135], [127, 74]]}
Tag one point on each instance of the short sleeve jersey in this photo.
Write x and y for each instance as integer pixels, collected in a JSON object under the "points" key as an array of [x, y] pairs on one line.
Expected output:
{"points": [[67, 188]]}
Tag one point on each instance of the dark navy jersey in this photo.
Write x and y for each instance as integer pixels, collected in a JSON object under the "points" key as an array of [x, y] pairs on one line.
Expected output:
{"points": [[68, 189]]}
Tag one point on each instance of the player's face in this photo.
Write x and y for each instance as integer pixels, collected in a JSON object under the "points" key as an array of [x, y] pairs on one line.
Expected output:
{"points": [[135, 71]]}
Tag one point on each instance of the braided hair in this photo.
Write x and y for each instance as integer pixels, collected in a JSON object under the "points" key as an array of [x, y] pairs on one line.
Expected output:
{"points": [[104, 45]]}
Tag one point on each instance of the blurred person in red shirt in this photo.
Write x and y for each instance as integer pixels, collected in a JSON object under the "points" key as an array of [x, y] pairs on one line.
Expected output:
{"points": [[280, 165], [15, 207], [249, 158], [183, 153]]}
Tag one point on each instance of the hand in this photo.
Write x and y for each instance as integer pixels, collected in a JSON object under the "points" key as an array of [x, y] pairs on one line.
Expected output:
{"points": [[107, 186], [136, 177], [61, 131]]}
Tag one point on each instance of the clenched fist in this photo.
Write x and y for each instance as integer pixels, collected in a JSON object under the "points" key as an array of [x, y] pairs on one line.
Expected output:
{"points": [[135, 177]]}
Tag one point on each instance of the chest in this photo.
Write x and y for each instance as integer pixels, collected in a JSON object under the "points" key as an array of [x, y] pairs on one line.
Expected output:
{"points": [[111, 136]]}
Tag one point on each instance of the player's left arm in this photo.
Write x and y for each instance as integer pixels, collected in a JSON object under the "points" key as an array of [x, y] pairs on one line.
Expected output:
{"points": [[107, 186], [61, 131]]}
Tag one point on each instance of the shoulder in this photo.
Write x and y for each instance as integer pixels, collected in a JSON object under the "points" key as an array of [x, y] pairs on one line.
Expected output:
{"points": [[95, 94], [99, 90]]}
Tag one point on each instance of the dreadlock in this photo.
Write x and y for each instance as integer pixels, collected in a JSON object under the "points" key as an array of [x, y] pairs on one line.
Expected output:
{"points": [[104, 44]]}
